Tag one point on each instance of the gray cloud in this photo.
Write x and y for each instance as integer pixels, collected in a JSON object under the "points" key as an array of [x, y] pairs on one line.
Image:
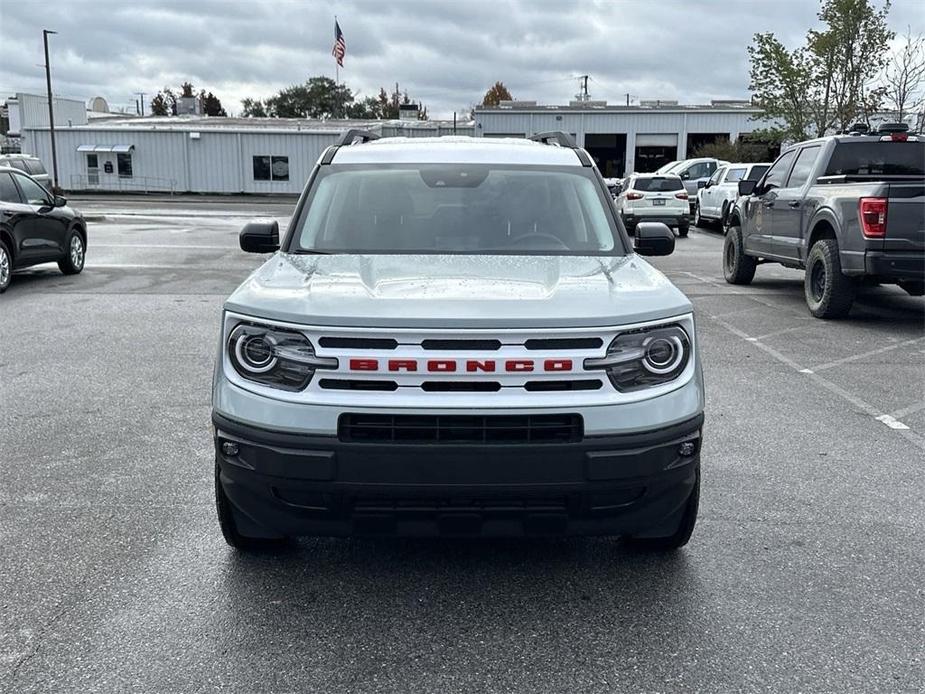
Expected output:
{"points": [[444, 53]]}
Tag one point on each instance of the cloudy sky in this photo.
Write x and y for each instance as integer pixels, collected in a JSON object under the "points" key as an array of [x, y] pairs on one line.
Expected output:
{"points": [[444, 53]]}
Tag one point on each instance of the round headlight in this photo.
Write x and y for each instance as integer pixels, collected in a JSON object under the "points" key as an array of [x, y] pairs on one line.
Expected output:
{"points": [[663, 354], [255, 352]]}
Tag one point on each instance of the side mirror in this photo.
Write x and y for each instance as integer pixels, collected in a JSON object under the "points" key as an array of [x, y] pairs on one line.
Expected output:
{"points": [[260, 237], [685, 176], [747, 187], [703, 184], [60, 201], [653, 238]]}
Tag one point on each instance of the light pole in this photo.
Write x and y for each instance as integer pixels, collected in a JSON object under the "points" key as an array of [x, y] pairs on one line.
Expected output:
{"points": [[51, 112]]}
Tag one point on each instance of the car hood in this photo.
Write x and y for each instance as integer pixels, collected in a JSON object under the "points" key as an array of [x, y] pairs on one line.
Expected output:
{"points": [[463, 291]]}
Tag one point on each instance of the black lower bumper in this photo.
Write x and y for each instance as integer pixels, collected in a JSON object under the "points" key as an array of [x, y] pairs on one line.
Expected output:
{"points": [[672, 220], [286, 484], [895, 265]]}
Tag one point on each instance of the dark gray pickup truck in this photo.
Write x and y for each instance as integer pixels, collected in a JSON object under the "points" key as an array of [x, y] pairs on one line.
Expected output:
{"points": [[847, 209]]}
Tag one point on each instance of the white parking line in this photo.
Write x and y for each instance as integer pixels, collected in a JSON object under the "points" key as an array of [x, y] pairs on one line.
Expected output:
{"points": [[871, 353], [891, 422], [906, 411]]}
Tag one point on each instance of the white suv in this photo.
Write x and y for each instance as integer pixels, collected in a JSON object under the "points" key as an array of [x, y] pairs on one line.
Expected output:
{"points": [[654, 198], [717, 198], [456, 337]]}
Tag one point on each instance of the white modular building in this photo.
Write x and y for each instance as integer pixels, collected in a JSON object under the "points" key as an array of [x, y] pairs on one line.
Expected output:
{"points": [[202, 154]]}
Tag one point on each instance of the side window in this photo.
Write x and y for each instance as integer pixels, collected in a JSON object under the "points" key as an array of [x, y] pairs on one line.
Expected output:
{"points": [[734, 175], [803, 167], [697, 171], [124, 162], [8, 190], [778, 172], [18, 164], [34, 167], [32, 192], [714, 179], [757, 172]]}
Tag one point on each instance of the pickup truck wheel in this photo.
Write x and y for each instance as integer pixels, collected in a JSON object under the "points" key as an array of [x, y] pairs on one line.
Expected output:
{"points": [[829, 293], [685, 528], [226, 522], [738, 268]]}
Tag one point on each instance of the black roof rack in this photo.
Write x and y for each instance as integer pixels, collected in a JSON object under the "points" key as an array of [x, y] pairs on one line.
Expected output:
{"points": [[354, 134], [893, 128], [560, 138]]}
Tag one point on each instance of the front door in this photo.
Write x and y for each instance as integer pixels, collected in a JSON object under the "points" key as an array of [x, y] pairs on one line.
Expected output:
{"points": [[789, 212], [763, 206], [93, 170], [45, 231]]}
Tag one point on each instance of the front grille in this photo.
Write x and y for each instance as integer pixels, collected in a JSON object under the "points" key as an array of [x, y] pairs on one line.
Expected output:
{"points": [[356, 384], [490, 429], [492, 345], [358, 343], [564, 343]]}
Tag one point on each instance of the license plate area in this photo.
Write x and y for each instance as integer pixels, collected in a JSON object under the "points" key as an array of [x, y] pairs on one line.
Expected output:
{"points": [[658, 202]]}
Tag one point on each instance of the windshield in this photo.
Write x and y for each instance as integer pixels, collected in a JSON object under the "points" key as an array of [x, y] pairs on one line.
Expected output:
{"points": [[669, 166], [456, 208], [658, 185]]}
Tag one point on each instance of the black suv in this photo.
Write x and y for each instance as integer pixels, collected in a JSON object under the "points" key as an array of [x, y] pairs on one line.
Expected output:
{"points": [[36, 227]]}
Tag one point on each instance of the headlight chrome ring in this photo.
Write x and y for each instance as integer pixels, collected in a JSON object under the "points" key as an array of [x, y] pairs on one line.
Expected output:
{"points": [[663, 354], [255, 352]]}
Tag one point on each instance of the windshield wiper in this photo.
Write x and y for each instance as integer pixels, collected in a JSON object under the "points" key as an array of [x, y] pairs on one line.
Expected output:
{"points": [[305, 251]]}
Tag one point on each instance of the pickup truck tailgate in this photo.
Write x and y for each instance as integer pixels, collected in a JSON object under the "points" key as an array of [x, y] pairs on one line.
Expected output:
{"points": [[905, 218]]}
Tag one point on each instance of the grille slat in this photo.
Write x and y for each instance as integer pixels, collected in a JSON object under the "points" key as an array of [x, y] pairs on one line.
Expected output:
{"points": [[488, 429]]}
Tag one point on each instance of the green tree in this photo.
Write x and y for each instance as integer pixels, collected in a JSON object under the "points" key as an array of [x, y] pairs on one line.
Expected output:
{"points": [[496, 94], [827, 83], [253, 108], [164, 103], [756, 147], [211, 105], [320, 97]]}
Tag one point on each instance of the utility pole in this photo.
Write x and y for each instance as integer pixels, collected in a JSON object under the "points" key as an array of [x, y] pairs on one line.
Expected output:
{"points": [[627, 99], [142, 95], [583, 94], [51, 112]]}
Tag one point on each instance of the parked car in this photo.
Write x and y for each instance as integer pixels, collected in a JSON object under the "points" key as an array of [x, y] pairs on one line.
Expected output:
{"points": [[654, 198], [694, 173], [36, 227], [28, 164], [845, 208], [716, 199], [448, 341], [613, 185]]}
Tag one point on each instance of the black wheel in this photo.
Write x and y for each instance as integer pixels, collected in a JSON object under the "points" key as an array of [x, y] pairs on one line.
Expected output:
{"points": [[226, 522], [683, 229], [6, 267], [829, 293], [75, 254], [685, 528], [738, 268], [912, 288]]}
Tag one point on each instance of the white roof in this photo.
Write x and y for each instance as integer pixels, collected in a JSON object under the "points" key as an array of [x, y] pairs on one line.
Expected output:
{"points": [[455, 150], [657, 175]]}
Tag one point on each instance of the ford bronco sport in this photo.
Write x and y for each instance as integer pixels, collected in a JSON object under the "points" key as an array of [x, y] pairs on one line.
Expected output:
{"points": [[456, 337]]}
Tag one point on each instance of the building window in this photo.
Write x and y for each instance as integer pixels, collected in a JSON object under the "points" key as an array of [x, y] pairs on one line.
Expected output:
{"points": [[124, 163], [269, 168]]}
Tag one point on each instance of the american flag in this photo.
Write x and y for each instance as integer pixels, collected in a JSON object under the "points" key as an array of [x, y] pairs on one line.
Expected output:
{"points": [[340, 46]]}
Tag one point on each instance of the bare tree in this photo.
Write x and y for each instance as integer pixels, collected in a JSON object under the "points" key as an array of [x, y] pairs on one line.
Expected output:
{"points": [[904, 77]]}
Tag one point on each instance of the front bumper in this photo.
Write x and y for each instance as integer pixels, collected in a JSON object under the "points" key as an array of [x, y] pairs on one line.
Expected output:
{"points": [[296, 484]]}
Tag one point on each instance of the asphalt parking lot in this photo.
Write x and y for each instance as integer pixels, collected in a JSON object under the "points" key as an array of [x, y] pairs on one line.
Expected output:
{"points": [[804, 573]]}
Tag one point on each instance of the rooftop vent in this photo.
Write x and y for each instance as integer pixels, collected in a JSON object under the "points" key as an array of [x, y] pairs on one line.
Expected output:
{"points": [[658, 102]]}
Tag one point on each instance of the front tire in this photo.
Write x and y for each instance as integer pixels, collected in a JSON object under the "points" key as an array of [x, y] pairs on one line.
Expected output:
{"points": [[683, 229], [685, 528], [829, 293], [75, 254], [738, 268], [6, 267]]}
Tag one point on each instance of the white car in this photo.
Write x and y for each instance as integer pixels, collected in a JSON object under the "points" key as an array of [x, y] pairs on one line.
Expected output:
{"points": [[717, 198], [654, 198], [694, 173]]}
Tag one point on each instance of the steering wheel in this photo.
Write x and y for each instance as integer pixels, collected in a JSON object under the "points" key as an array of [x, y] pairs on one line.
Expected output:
{"points": [[540, 236]]}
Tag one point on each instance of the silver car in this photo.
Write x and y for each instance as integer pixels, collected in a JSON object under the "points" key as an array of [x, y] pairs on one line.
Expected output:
{"points": [[455, 336]]}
